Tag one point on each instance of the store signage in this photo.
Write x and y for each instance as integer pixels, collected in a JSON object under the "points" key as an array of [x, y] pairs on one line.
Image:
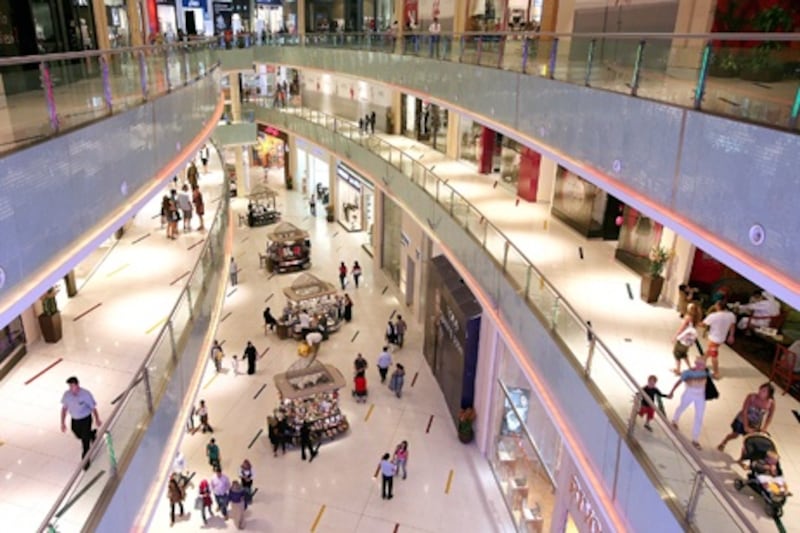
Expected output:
{"points": [[198, 4], [449, 323], [269, 2], [348, 178], [580, 502]]}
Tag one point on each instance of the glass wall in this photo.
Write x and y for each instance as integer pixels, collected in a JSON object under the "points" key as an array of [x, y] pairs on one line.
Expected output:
{"points": [[391, 248], [526, 451]]}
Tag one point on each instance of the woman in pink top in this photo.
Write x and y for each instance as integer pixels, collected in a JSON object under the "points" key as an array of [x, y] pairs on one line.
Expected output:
{"points": [[401, 457]]}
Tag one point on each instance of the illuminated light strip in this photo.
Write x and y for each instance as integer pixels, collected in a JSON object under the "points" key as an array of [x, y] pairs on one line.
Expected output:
{"points": [[449, 482], [369, 412], [317, 519], [154, 326], [616, 188], [587, 469]]}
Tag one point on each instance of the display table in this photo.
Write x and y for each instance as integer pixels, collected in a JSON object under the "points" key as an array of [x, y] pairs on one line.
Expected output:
{"points": [[288, 249], [311, 394], [262, 207], [318, 298]]}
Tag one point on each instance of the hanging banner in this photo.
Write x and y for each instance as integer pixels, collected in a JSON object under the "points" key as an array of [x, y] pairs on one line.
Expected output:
{"points": [[410, 13]]}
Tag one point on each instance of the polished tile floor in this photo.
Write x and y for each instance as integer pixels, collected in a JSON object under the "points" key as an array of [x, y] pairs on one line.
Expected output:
{"points": [[338, 491], [639, 335], [104, 348]]}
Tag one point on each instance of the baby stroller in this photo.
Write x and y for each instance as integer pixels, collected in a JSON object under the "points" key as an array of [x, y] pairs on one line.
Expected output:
{"points": [[755, 449]]}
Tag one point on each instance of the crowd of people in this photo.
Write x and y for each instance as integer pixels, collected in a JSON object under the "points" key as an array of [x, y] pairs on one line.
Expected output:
{"points": [[185, 200]]}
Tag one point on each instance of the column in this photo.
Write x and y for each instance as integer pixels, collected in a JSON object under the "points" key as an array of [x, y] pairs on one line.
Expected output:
{"points": [[453, 127], [242, 177], [694, 16], [679, 266], [400, 17], [486, 157], [301, 18], [459, 27], [292, 169], [548, 169], [529, 168], [236, 97], [135, 22], [100, 24], [397, 112]]}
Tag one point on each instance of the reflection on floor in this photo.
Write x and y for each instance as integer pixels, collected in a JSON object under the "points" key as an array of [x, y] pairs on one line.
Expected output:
{"points": [[639, 335], [103, 347], [338, 492]]}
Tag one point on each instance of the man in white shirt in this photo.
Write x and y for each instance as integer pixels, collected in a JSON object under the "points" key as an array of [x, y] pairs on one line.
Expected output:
{"points": [[185, 205], [721, 327], [761, 312], [220, 485], [81, 405], [435, 29], [384, 362]]}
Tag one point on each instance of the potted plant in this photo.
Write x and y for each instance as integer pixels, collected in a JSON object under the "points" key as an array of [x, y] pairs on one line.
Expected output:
{"points": [[723, 64], [289, 183], [764, 64], [50, 319], [653, 282], [466, 433], [329, 213]]}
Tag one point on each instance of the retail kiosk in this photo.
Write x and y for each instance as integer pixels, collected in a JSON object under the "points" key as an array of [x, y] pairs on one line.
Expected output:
{"points": [[262, 208], [311, 394], [288, 249], [318, 298]]}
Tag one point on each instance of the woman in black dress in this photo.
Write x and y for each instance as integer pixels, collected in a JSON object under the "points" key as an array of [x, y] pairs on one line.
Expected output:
{"points": [[348, 308]]}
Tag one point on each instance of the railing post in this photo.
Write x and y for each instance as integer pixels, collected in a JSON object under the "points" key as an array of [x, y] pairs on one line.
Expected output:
{"points": [[554, 313], [795, 110], [637, 68], [143, 74], [506, 246], [461, 44], [485, 232], [148, 390], [189, 301], [106, 83], [694, 496], [528, 271], [112, 453], [186, 66], [172, 340], [589, 60], [480, 48], [452, 200], [166, 68], [587, 369], [525, 51], [551, 64], [502, 51], [47, 83], [700, 89], [637, 401]]}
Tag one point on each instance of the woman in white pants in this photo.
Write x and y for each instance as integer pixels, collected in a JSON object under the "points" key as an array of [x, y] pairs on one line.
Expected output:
{"points": [[693, 393]]}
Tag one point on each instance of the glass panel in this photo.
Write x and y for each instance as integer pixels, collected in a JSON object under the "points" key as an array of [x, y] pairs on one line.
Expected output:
{"points": [[712, 515], [495, 244], [617, 389], [78, 91], [615, 59], [181, 320], [517, 267], [26, 115], [572, 332], [653, 80], [132, 417], [126, 87], [161, 360]]}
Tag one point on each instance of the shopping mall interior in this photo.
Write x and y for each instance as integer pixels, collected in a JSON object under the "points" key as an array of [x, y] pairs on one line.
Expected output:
{"points": [[558, 232]]}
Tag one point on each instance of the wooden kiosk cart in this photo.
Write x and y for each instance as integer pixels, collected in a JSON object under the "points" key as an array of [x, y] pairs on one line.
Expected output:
{"points": [[288, 249], [318, 298], [310, 393], [262, 207]]}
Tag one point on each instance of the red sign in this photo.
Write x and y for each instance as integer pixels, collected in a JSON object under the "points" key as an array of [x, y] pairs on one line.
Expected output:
{"points": [[410, 12]]}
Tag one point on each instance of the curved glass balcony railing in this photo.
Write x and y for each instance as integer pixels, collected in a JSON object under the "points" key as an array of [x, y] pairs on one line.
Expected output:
{"points": [[749, 76], [45, 95], [682, 476]]}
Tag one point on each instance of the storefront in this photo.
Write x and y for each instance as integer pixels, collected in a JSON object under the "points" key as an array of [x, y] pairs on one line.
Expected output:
{"points": [[118, 27], [313, 170], [269, 16], [452, 335], [271, 150], [355, 199], [586, 208], [424, 122], [391, 238], [542, 487], [193, 17], [167, 17]]}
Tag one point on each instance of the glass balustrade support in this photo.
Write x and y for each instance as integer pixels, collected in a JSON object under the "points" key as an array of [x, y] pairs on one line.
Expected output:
{"points": [[589, 62], [506, 247], [479, 50], [587, 369], [174, 345], [107, 96], [148, 390], [189, 301], [795, 110], [554, 313], [525, 51], [702, 77], [638, 398], [637, 68], [461, 43], [47, 84], [551, 63], [694, 495], [143, 75]]}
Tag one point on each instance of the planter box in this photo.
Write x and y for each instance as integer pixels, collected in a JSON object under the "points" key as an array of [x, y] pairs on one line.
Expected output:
{"points": [[651, 288]]}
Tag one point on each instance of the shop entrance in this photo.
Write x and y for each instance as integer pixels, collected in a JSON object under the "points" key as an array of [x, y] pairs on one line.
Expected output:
{"points": [[424, 122]]}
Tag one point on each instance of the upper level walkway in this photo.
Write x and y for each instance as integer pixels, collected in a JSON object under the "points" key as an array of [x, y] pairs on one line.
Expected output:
{"points": [[668, 161], [633, 339]]}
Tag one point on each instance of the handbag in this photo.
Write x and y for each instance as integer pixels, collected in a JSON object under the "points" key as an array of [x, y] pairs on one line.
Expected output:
{"points": [[198, 503], [712, 393]]}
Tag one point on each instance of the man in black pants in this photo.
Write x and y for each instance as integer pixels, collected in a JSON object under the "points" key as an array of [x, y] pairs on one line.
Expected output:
{"points": [[305, 443], [81, 406]]}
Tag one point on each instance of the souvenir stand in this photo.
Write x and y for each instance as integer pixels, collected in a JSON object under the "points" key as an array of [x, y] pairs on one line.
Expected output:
{"points": [[262, 207], [288, 248], [309, 392], [318, 298]]}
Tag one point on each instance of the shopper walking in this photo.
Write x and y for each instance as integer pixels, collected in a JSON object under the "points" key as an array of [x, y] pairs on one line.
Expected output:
{"points": [[721, 327], [216, 355], [175, 494], [400, 328], [233, 269], [388, 470], [199, 207], [165, 213], [202, 412], [397, 379], [372, 121], [348, 308], [246, 477], [185, 205], [235, 365], [251, 353], [173, 217], [306, 442], [212, 452], [342, 274], [204, 500], [391, 333], [270, 323], [356, 270], [694, 393], [220, 486], [755, 415], [401, 457], [360, 364], [236, 497], [80, 405], [276, 437], [191, 175], [384, 362], [312, 205], [686, 335], [204, 153]]}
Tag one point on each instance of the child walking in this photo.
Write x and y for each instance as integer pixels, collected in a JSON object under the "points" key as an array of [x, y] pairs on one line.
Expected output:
{"points": [[655, 396]]}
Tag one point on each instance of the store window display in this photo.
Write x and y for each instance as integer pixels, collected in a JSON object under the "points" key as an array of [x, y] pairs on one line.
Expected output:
{"points": [[526, 451]]}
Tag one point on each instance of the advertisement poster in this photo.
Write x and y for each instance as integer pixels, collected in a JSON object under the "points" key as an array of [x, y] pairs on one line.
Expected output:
{"points": [[411, 13]]}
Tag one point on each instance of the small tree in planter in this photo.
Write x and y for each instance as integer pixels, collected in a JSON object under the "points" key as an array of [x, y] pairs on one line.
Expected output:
{"points": [[50, 319], [653, 281], [466, 433], [329, 213]]}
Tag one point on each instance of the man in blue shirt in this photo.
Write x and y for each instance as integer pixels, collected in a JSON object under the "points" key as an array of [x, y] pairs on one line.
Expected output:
{"points": [[81, 406]]}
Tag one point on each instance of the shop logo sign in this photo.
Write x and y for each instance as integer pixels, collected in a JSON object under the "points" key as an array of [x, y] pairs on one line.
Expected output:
{"points": [[584, 506]]}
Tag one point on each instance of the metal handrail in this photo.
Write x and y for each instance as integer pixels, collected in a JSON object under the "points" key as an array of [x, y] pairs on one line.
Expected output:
{"points": [[674, 436], [137, 377], [63, 56]]}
